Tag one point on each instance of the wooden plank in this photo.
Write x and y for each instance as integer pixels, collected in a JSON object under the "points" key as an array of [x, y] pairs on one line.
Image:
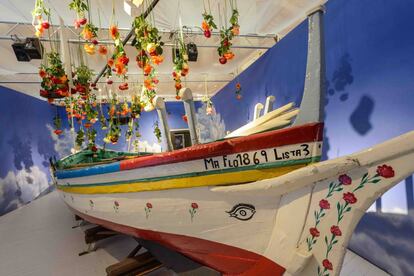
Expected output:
{"points": [[138, 265]]}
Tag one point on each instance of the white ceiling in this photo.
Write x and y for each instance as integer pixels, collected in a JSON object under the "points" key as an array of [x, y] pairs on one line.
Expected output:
{"points": [[260, 21]]}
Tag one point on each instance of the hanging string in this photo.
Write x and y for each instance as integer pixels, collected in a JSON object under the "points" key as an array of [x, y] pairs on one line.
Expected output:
{"points": [[225, 14], [219, 11]]}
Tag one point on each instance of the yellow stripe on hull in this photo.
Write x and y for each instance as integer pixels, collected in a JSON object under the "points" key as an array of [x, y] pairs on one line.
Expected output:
{"points": [[186, 182]]}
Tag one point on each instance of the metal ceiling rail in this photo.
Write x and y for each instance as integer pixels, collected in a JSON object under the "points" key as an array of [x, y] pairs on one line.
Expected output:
{"points": [[108, 42], [186, 31]]}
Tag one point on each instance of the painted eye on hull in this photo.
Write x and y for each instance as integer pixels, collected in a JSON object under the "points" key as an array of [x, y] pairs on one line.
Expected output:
{"points": [[242, 211]]}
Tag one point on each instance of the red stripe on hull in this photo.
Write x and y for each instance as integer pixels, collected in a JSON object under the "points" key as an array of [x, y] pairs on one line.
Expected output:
{"points": [[293, 135], [226, 259]]}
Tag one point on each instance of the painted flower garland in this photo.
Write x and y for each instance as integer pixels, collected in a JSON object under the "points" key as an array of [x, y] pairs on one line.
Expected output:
{"points": [[343, 206]]}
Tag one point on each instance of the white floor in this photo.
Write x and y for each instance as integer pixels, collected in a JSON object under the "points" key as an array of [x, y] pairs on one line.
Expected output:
{"points": [[38, 239]]}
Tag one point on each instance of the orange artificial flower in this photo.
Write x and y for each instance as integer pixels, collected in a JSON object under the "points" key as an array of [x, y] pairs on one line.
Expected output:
{"points": [[102, 50], [205, 26], [110, 62], [148, 84], [157, 59], [87, 34], [238, 86], [147, 69], [235, 30], [228, 55], [120, 69], [114, 32], [112, 111], [64, 79], [89, 48]]}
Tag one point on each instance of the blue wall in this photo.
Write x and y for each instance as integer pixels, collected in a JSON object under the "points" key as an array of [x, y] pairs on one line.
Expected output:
{"points": [[27, 142], [370, 98], [25, 146]]}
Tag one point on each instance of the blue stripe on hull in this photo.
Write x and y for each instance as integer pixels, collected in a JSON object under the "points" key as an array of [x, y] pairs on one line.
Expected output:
{"points": [[100, 169]]}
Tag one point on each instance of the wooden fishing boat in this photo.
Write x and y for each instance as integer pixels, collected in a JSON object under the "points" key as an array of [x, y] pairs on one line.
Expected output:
{"points": [[251, 204]]}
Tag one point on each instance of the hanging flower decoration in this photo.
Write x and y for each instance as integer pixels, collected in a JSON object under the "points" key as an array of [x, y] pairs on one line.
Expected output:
{"points": [[89, 32], [114, 123], [226, 35], [209, 105], [57, 122], [38, 21], [80, 138], [54, 80], [81, 8], [157, 132], [119, 59], [148, 43], [208, 24], [82, 78], [238, 91], [181, 67]]}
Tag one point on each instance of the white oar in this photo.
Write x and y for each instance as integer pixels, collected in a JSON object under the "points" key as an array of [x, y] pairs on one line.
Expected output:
{"points": [[261, 120], [274, 124]]}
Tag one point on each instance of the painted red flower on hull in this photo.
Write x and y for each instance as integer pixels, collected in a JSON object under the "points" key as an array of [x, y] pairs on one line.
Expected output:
{"points": [[345, 179], [335, 230], [350, 198], [385, 171], [324, 204], [327, 264], [314, 232]]}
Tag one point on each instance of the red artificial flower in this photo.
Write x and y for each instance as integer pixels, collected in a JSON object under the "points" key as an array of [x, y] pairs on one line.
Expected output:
{"points": [[123, 59], [42, 73], [350, 198], [177, 97], [324, 204], [314, 232], [58, 131], [345, 179], [335, 230], [238, 86], [207, 33], [385, 171], [43, 93], [83, 21], [194, 205], [149, 205], [94, 148], [88, 125], [327, 264], [185, 119], [178, 86], [45, 25], [123, 86], [223, 60]]}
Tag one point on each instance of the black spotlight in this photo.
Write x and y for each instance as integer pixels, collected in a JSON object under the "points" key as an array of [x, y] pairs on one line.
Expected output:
{"points": [[34, 48], [27, 50], [192, 51], [20, 52]]}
